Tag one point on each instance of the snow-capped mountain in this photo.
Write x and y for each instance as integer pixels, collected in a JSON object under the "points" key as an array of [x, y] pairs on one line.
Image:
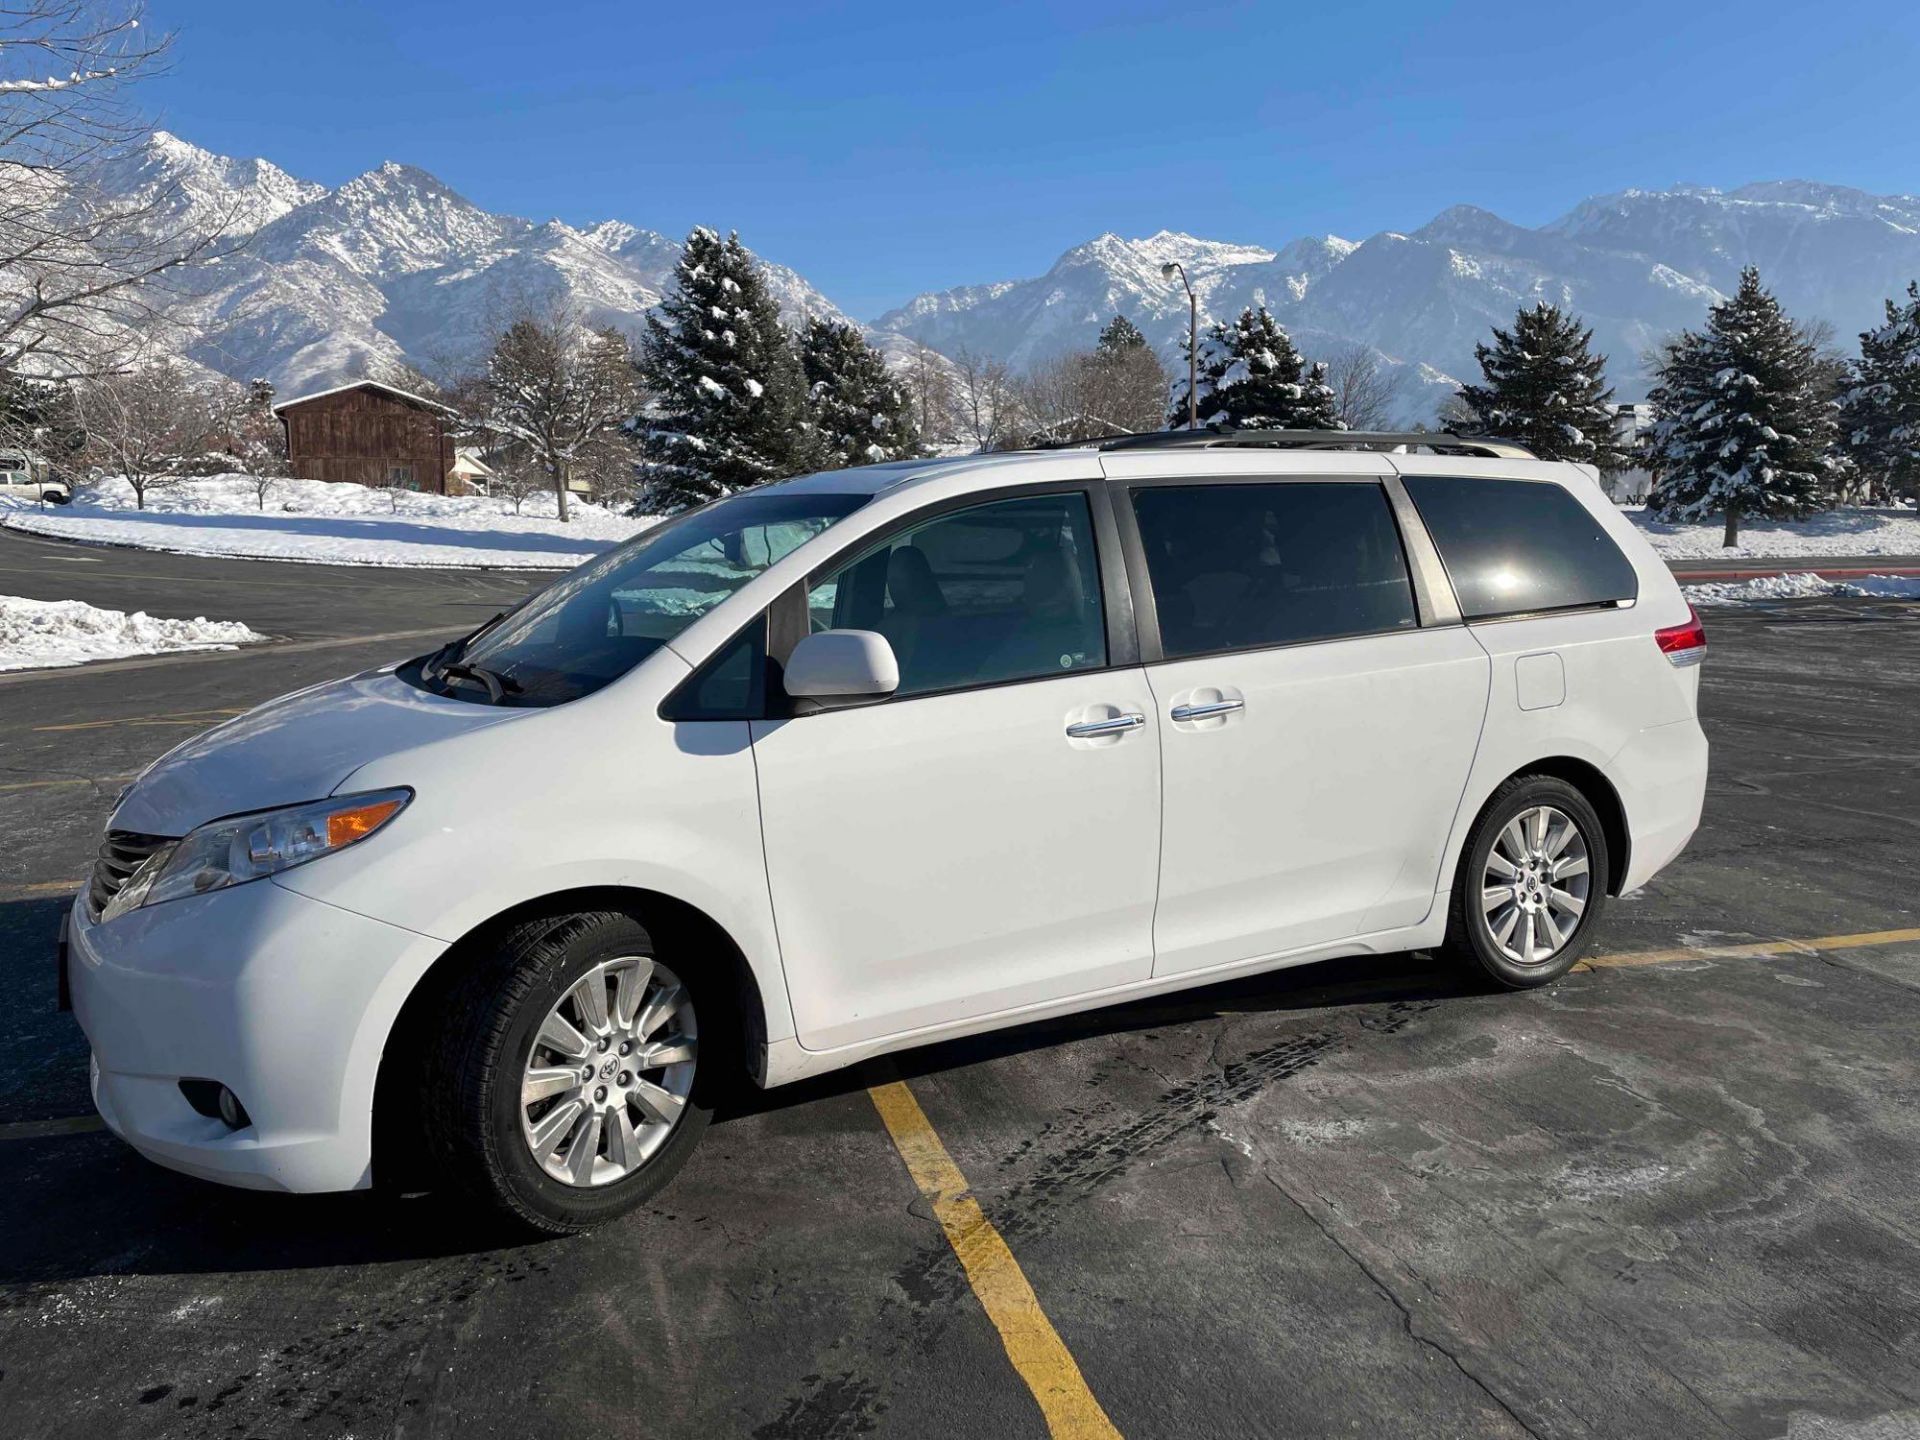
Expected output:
{"points": [[196, 189], [1637, 266], [395, 265]]}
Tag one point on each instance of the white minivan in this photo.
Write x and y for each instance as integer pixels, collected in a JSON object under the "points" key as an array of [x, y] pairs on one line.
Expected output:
{"points": [[868, 759]]}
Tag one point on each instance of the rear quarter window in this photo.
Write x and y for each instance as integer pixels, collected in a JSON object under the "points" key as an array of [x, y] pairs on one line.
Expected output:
{"points": [[1513, 547]]}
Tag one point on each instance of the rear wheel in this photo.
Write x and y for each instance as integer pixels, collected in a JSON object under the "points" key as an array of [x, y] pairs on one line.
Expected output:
{"points": [[571, 1075], [1531, 883]]}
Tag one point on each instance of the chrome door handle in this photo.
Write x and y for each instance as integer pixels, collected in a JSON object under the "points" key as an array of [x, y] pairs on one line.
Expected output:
{"points": [[1211, 708], [1113, 725]]}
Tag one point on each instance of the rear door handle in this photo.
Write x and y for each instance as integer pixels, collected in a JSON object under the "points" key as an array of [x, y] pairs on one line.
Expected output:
{"points": [[1212, 707], [1113, 725]]}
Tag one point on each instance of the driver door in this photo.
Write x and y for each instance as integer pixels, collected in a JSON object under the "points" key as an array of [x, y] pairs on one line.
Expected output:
{"points": [[988, 837]]}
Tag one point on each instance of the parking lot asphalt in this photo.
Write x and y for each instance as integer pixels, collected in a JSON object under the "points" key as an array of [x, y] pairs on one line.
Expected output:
{"points": [[1672, 1195]]}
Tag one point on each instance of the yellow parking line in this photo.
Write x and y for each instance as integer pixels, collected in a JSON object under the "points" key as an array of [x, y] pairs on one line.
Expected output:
{"points": [[1763, 947], [177, 717], [39, 887], [46, 1129], [76, 780], [1032, 1344]]}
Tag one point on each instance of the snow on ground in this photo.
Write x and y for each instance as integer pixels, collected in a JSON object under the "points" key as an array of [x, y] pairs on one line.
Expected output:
{"points": [[38, 634], [322, 523], [1837, 532], [1802, 587], [333, 524]]}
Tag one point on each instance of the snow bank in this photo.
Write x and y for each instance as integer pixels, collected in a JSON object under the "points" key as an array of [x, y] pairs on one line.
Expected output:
{"points": [[1837, 532], [38, 634], [1803, 587], [320, 522]]}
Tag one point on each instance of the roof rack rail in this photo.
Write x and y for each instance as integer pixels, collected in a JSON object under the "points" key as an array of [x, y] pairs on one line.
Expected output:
{"points": [[1441, 442]]}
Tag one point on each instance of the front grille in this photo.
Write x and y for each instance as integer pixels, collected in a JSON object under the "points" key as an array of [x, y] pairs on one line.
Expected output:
{"points": [[121, 853]]}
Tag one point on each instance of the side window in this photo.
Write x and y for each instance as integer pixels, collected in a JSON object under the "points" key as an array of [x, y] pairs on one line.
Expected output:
{"points": [[1004, 591], [1243, 567], [730, 686], [1515, 546]]}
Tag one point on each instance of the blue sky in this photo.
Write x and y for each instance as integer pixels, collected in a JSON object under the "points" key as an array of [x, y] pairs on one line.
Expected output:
{"points": [[887, 149]]}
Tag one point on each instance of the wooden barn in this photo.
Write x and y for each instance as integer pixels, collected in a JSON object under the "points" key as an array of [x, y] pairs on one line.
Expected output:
{"points": [[370, 434]]}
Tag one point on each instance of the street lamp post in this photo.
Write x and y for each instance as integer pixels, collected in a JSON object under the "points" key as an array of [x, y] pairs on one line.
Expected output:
{"points": [[1193, 342]]}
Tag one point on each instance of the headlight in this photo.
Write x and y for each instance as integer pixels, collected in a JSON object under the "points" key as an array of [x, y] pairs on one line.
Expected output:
{"points": [[247, 847]]}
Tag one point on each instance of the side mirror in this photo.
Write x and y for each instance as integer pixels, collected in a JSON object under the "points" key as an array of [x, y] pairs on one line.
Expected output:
{"points": [[837, 666]]}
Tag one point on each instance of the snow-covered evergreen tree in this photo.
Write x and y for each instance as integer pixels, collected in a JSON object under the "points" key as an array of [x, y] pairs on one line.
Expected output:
{"points": [[864, 416], [1319, 406], [1741, 426], [730, 405], [1119, 337], [1212, 364], [1252, 378], [1880, 409], [1547, 389]]}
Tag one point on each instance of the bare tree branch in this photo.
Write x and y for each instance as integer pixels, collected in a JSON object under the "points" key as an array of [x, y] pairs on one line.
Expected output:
{"points": [[150, 424], [987, 401], [86, 278], [563, 389], [1366, 393]]}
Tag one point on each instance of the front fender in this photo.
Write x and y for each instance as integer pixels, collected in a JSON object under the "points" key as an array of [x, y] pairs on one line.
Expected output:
{"points": [[609, 796]]}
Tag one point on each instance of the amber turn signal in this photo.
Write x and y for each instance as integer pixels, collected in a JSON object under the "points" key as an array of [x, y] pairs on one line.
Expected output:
{"points": [[346, 826]]}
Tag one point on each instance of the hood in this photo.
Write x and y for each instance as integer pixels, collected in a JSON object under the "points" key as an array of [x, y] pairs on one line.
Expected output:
{"points": [[294, 749]]}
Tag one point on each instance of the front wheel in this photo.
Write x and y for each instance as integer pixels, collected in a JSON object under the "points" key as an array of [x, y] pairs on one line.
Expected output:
{"points": [[1531, 883], [572, 1072]]}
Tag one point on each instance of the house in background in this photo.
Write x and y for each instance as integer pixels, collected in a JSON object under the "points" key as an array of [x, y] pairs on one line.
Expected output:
{"points": [[371, 434], [470, 473]]}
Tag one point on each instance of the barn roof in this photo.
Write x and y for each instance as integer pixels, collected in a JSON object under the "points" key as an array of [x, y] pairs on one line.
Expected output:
{"points": [[394, 390]]}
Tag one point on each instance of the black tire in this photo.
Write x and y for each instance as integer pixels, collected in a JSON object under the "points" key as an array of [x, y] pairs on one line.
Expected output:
{"points": [[470, 1111], [1470, 935]]}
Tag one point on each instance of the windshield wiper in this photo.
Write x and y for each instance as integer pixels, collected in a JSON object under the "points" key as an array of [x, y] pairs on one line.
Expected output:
{"points": [[498, 686], [436, 663]]}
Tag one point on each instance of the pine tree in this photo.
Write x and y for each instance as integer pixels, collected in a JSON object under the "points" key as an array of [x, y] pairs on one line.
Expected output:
{"points": [[730, 402], [863, 415], [37, 417], [1880, 409], [1119, 337], [1252, 378], [1122, 383], [1320, 407], [1547, 389], [1740, 425], [1215, 357]]}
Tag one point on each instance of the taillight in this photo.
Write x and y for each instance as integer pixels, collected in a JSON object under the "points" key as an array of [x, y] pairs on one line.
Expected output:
{"points": [[1683, 644]]}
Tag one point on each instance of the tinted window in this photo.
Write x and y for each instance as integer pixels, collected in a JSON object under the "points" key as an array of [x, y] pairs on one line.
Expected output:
{"points": [[1006, 591], [1515, 546], [1240, 567]]}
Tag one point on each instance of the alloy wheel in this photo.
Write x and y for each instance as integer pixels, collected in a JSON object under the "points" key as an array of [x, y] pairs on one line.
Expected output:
{"points": [[1535, 885], [609, 1073]]}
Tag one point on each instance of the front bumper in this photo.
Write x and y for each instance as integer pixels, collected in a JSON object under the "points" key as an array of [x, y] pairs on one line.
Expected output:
{"points": [[286, 1000]]}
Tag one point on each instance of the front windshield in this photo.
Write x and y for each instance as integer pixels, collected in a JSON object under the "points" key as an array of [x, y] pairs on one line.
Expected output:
{"points": [[606, 617]]}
